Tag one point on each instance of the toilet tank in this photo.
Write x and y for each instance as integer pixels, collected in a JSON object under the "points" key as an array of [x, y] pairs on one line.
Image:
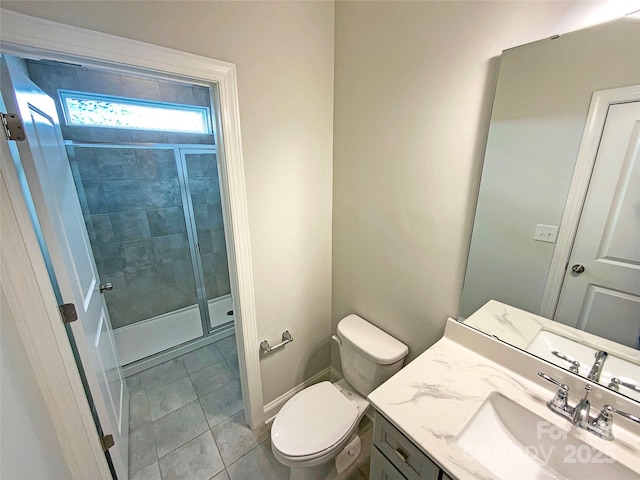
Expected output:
{"points": [[368, 355]]}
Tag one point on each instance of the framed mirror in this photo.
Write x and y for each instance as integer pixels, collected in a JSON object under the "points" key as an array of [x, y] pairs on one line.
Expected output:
{"points": [[557, 225]]}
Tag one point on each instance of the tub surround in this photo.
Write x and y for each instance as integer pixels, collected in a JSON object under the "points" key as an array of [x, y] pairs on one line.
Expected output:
{"points": [[432, 399]]}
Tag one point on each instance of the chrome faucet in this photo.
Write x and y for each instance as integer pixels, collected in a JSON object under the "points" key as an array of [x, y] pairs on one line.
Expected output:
{"points": [[596, 369], [579, 415]]}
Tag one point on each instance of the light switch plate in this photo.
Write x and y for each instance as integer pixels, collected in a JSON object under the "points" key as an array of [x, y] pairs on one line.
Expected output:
{"points": [[546, 233]]}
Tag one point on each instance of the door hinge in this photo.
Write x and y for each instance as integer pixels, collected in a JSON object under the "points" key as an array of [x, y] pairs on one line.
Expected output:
{"points": [[107, 442], [68, 312], [13, 128]]}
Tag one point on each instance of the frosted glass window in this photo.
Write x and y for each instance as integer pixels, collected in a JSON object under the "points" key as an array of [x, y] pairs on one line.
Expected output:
{"points": [[89, 110]]}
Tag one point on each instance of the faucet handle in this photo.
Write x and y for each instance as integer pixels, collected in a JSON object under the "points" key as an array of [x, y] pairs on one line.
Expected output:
{"points": [[603, 424], [575, 365], [559, 401], [616, 382]]}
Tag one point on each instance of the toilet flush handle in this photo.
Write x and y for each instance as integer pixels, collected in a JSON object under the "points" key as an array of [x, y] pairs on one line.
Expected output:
{"points": [[337, 339]]}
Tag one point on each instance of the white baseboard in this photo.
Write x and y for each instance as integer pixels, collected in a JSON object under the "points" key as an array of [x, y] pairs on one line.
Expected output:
{"points": [[272, 408]]}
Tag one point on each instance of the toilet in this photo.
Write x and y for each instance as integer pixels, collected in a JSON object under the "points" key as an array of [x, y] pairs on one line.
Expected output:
{"points": [[315, 432]]}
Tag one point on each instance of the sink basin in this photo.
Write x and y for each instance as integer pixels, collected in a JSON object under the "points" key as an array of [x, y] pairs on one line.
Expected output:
{"points": [[545, 342], [513, 442]]}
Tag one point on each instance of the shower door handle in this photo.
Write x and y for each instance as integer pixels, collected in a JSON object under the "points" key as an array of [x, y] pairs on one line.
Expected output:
{"points": [[106, 286]]}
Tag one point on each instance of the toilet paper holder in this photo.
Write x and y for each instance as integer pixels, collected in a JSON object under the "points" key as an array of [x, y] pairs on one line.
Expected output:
{"points": [[286, 338]]}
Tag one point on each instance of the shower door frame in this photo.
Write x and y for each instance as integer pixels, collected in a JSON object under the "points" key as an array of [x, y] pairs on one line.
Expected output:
{"points": [[34, 38], [180, 150]]}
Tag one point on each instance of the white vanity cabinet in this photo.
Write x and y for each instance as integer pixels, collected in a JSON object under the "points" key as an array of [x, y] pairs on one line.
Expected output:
{"points": [[395, 457]]}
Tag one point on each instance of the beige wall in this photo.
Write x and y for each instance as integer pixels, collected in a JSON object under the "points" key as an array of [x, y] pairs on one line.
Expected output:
{"points": [[30, 448], [284, 57], [413, 92]]}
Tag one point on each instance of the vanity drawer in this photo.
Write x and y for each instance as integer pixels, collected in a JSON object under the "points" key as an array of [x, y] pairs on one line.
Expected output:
{"points": [[381, 468], [403, 454]]}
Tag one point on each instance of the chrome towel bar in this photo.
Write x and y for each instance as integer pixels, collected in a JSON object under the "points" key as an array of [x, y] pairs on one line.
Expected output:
{"points": [[286, 338]]}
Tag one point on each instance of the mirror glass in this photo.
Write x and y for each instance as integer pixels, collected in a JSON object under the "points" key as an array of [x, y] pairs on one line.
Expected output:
{"points": [[557, 225]]}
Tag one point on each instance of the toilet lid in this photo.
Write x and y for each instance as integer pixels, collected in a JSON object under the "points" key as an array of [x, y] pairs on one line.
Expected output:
{"points": [[313, 420]]}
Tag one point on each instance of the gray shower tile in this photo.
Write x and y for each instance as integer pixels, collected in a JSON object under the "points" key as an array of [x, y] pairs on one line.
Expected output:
{"points": [[224, 284], [156, 163], [191, 138], [176, 93], [167, 398], [211, 378], [178, 427], [220, 264], [199, 187], [75, 134], [112, 135], [227, 346], [102, 228], [201, 96], [234, 438], [166, 221], [222, 403], [210, 167], [138, 253], [161, 193], [211, 284], [99, 81], [219, 245], [149, 136], [142, 448], [205, 241], [123, 195], [89, 224], [95, 196], [109, 258], [200, 358], [234, 366], [259, 463], [162, 374], [130, 225], [194, 165], [198, 459], [151, 472], [87, 163], [117, 164], [139, 87], [50, 76], [138, 408]]}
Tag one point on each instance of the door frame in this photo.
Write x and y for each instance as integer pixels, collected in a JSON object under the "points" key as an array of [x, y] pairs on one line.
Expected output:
{"points": [[601, 100], [30, 37]]}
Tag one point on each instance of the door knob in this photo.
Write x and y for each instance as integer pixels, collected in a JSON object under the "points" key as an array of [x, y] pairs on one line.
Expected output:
{"points": [[106, 286], [577, 269]]}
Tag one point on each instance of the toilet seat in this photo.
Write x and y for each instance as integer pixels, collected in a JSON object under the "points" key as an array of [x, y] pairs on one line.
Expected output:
{"points": [[313, 423]]}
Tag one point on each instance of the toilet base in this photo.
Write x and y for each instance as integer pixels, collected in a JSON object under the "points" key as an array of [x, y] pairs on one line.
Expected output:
{"points": [[335, 469]]}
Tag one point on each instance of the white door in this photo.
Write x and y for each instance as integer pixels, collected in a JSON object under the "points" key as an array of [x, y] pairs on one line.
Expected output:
{"points": [[50, 181], [601, 289]]}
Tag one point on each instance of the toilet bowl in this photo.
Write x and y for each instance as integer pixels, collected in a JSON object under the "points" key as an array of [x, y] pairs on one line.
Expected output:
{"points": [[315, 432]]}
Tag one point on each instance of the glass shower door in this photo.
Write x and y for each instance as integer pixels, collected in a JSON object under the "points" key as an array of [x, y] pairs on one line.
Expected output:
{"points": [[208, 224], [133, 207]]}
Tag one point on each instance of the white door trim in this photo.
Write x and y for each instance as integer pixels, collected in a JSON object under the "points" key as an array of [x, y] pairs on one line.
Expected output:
{"points": [[600, 102], [32, 37]]}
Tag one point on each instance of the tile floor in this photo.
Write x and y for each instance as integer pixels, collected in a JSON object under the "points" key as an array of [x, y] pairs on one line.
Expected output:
{"points": [[187, 422]]}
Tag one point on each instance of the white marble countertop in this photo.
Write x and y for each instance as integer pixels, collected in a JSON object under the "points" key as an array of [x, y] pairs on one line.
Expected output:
{"points": [[431, 399], [518, 328]]}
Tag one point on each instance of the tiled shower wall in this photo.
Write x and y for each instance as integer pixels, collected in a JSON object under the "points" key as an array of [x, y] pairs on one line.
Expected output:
{"points": [[132, 201]]}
